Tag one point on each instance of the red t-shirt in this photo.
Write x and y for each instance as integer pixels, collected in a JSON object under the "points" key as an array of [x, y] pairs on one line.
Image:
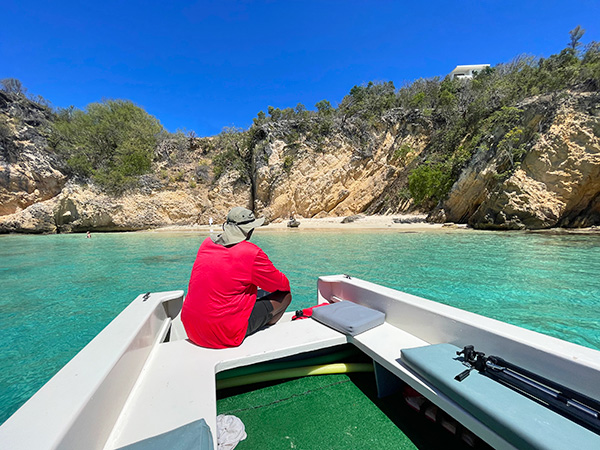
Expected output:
{"points": [[222, 292]]}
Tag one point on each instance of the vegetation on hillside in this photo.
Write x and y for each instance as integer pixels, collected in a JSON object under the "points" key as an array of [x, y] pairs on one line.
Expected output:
{"points": [[468, 116], [115, 141], [112, 142]]}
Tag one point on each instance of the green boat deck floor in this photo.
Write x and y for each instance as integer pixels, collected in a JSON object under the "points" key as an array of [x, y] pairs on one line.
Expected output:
{"points": [[331, 412]]}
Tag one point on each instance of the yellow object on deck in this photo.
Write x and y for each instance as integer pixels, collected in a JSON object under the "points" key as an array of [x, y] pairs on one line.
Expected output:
{"points": [[325, 369]]}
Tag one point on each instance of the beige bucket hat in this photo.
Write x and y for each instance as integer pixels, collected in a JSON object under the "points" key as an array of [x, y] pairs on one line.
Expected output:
{"points": [[240, 222]]}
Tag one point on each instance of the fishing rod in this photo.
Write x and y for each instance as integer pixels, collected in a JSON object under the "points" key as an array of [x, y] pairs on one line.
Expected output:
{"points": [[569, 403]]}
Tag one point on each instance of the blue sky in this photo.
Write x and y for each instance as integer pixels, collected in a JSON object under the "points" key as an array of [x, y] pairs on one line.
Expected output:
{"points": [[205, 65]]}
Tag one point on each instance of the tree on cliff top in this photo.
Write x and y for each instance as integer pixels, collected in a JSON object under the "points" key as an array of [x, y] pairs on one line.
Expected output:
{"points": [[112, 142], [12, 86], [576, 35]]}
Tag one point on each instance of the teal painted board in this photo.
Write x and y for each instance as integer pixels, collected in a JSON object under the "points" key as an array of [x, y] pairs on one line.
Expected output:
{"points": [[193, 436], [519, 420]]}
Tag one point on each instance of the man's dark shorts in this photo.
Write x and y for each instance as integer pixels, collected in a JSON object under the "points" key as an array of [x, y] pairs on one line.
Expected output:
{"points": [[261, 314]]}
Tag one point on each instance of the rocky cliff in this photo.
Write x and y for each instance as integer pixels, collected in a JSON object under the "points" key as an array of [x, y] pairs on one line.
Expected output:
{"points": [[29, 173], [557, 182], [556, 185], [341, 177]]}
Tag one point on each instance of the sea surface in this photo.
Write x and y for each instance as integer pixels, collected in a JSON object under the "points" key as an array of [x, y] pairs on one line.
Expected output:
{"points": [[58, 291]]}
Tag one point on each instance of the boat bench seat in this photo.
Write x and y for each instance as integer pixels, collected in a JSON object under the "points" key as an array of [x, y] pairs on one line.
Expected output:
{"points": [[522, 422], [385, 344], [177, 386]]}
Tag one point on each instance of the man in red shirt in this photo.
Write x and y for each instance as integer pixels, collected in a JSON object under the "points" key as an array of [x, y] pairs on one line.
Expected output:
{"points": [[221, 307]]}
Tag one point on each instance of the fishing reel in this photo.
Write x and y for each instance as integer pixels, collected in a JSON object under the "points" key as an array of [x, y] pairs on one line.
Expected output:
{"points": [[471, 359]]}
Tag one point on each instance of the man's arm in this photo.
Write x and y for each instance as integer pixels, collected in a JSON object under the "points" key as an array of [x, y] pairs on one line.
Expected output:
{"points": [[266, 276]]}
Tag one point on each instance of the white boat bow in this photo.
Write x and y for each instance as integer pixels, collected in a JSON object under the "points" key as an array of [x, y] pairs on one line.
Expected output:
{"points": [[141, 379]]}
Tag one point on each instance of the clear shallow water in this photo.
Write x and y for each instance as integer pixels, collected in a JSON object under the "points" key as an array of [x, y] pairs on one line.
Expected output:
{"points": [[58, 291]]}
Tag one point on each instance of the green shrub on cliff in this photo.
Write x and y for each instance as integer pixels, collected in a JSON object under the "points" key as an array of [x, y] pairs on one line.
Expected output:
{"points": [[401, 153], [369, 102], [590, 66], [112, 142], [234, 155], [430, 182]]}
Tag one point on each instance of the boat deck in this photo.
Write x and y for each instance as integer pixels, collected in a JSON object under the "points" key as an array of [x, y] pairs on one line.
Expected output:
{"points": [[180, 370], [328, 412]]}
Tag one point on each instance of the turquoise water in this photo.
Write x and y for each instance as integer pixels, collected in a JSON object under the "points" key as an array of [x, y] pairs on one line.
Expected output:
{"points": [[58, 291]]}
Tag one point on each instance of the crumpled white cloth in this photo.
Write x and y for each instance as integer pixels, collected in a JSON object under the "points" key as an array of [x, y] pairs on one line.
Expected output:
{"points": [[230, 431]]}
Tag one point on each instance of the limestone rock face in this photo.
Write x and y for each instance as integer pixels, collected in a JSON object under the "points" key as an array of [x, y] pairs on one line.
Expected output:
{"points": [[81, 208], [334, 182], [37, 218], [29, 173], [557, 184]]}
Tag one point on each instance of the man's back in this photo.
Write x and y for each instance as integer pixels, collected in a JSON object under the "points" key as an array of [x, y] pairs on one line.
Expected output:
{"points": [[222, 292]]}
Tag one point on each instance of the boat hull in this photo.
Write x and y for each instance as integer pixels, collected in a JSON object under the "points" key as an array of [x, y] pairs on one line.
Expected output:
{"points": [[141, 378]]}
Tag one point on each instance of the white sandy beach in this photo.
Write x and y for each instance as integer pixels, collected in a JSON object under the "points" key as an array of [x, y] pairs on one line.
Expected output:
{"points": [[400, 222], [360, 222], [396, 222]]}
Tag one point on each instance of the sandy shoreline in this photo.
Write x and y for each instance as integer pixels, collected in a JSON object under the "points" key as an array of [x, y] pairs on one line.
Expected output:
{"points": [[409, 223], [360, 222], [394, 222]]}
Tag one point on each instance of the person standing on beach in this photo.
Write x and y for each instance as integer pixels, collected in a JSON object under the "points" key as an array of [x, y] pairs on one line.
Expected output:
{"points": [[221, 307]]}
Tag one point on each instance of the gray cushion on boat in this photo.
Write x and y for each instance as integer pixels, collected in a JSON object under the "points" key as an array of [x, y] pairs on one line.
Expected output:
{"points": [[519, 420], [193, 436], [348, 318]]}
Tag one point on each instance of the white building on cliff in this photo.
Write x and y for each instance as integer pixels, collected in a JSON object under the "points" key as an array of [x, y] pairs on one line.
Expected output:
{"points": [[467, 71]]}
